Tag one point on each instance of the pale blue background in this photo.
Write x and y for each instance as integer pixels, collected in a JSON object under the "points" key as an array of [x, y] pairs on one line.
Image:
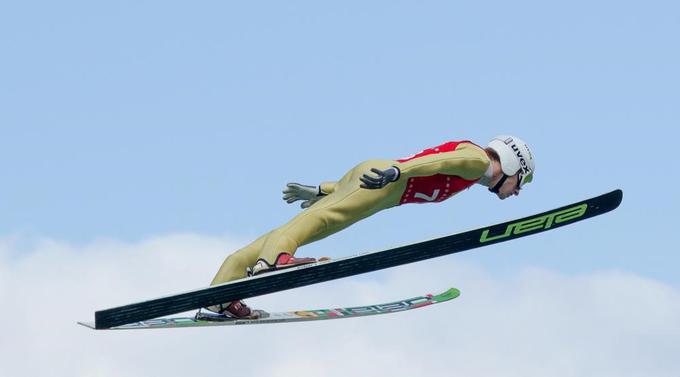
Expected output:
{"points": [[130, 119]]}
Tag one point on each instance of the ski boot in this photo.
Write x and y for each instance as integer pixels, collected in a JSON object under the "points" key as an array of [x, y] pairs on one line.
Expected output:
{"points": [[231, 310], [283, 261]]}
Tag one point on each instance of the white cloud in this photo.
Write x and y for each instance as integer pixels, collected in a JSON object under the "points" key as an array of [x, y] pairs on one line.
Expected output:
{"points": [[535, 323]]}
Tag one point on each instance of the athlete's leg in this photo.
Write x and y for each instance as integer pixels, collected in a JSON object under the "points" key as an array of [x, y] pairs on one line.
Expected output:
{"points": [[346, 205], [234, 266]]}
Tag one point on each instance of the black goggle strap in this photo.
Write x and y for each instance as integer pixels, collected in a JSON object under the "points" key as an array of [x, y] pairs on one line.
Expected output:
{"points": [[498, 185]]}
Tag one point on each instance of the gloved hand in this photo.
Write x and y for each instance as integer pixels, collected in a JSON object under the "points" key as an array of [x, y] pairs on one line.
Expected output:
{"points": [[384, 177], [296, 191]]}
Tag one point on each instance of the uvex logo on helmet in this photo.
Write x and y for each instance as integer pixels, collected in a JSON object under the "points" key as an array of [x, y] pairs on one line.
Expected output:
{"points": [[522, 160]]}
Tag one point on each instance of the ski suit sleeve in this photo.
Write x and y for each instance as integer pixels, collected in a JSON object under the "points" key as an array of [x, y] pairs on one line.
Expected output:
{"points": [[327, 187], [467, 161]]}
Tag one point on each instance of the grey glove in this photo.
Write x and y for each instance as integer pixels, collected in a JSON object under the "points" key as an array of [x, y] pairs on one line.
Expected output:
{"points": [[296, 191], [384, 177]]}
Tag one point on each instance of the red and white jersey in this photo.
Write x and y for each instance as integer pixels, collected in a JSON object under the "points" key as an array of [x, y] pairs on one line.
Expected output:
{"points": [[438, 173]]}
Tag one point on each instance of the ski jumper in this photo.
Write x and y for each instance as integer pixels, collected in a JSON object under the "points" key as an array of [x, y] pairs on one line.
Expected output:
{"points": [[430, 176]]}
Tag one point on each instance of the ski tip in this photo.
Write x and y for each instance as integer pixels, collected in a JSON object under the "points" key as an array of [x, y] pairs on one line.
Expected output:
{"points": [[616, 197], [620, 194], [606, 202], [455, 292], [450, 294]]}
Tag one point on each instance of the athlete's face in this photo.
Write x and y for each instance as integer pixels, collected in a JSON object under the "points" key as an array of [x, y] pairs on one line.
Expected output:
{"points": [[509, 188]]}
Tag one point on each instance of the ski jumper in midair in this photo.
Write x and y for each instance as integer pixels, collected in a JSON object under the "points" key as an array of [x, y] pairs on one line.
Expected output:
{"points": [[430, 176]]}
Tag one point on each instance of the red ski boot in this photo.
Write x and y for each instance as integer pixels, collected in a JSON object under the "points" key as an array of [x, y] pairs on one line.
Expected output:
{"points": [[236, 309], [283, 261]]}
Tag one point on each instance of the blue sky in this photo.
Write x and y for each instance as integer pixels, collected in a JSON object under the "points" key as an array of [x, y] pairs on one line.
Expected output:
{"points": [[130, 119], [139, 118], [147, 139]]}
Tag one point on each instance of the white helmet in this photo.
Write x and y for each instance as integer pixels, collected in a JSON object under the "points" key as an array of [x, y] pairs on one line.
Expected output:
{"points": [[515, 156]]}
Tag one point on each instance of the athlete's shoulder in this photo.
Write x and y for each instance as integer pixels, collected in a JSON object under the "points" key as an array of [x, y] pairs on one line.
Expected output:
{"points": [[460, 158], [473, 157], [466, 147], [471, 147], [448, 147]]}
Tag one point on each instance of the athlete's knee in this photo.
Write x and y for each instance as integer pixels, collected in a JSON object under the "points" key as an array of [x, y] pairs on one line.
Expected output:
{"points": [[282, 240]]}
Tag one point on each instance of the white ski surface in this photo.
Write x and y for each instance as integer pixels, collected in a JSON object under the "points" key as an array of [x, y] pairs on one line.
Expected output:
{"points": [[293, 316]]}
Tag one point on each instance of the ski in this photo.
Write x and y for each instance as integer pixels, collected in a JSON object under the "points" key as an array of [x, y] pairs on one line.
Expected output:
{"points": [[209, 319], [358, 264]]}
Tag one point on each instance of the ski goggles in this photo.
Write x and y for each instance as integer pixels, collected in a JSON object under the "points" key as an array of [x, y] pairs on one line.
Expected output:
{"points": [[522, 179]]}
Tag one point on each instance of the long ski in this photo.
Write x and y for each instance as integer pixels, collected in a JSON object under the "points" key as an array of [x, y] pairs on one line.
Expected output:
{"points": [[205, 319], [358, 264]]}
